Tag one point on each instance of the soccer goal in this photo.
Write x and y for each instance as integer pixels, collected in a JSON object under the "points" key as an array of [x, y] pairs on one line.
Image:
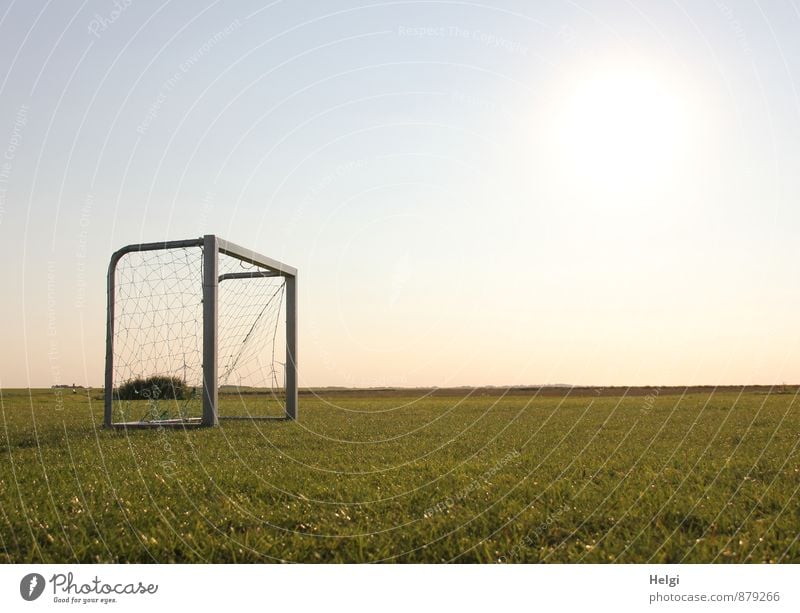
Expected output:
{"points": [[199, 330]]}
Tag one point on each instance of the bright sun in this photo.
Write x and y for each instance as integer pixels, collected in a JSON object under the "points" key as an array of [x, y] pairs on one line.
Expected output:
{"points": [[622, 128]]}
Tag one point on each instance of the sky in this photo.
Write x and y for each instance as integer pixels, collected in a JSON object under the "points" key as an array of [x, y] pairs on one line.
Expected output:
{"points": [[504, 193]]}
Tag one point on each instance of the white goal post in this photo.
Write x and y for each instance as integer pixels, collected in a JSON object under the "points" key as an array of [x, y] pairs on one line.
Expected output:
{"points": [[168, 305]]}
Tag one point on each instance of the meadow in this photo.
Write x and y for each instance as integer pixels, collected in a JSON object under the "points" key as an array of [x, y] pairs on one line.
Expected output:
{"points": [[410, 476]]}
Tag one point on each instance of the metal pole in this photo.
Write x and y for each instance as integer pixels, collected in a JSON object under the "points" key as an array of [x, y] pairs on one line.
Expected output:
{"points": [[210, 298], [109, 390], [291, 347]]}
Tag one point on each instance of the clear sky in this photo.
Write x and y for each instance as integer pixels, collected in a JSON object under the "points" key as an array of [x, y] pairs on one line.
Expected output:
{"points": [[592, 192]]}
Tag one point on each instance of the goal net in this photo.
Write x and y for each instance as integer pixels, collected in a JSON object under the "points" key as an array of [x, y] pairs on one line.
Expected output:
{"points": [[184, 350]]}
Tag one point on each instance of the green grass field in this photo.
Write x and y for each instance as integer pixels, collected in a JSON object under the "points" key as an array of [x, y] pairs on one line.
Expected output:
{"points": [[466, 477]]}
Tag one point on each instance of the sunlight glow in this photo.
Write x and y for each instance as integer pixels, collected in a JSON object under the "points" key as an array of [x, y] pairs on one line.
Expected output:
{"points": [[624, 128]]}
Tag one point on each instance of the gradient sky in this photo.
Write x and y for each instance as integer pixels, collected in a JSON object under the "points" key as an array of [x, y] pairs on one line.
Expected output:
{"points": [[592, 192]]}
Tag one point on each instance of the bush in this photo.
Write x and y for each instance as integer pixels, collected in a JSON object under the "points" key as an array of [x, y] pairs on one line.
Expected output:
{"points": [[153, 388]]}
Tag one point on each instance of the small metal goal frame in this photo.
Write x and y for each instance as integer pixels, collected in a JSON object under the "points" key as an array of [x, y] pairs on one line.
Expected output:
{"points": [[212, 246]]}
